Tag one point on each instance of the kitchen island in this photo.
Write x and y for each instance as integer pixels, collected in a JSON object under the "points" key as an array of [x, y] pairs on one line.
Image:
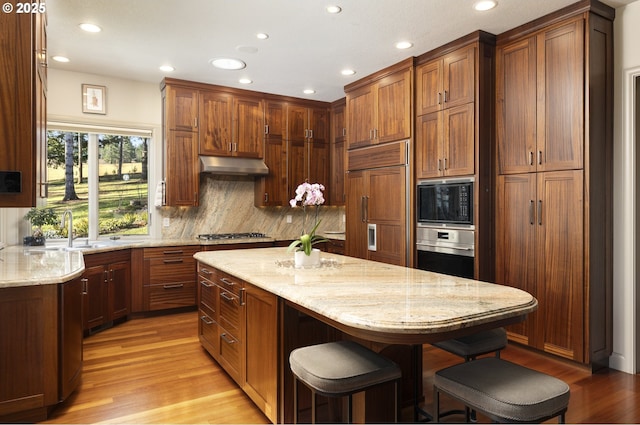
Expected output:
{"points": [[372, 302]]}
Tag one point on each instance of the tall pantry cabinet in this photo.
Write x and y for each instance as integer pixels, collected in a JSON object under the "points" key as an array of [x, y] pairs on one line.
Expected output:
{"points": [[554, 135]]}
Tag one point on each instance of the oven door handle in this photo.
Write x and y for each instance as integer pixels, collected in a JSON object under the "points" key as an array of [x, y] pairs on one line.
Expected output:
{"points": [[435, 245]]}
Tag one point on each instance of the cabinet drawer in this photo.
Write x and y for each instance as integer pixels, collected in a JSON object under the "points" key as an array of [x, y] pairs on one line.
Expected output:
{"points": [[208, 331], [171, 252], [230, 352], [172, 295], [228, 283], [208, 297], [163, 270], [230, 311]]}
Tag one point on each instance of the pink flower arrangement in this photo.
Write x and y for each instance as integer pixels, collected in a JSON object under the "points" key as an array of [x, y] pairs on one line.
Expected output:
{"points": [[308, 194]]}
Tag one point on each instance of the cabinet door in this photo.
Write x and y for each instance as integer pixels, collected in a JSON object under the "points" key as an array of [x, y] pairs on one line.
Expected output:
{"points": [[458, 77], [337, 174], [297, 165], [458, 156], [561, 97], [516, 106], [516, 242], [393, 121], [560, 263], [119, 289], [297, 123], [385, 207], [271, 190], [428, 87], [356, 225], [429, 134], [215, 123], [96, 296], [248, 127], [182, 109], [360, 116], [318, 146], [182, 169], [261, 347], [71, 336]]}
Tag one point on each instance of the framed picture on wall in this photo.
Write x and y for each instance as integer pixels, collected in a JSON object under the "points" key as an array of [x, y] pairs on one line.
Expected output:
{"points": [[94, 99]]}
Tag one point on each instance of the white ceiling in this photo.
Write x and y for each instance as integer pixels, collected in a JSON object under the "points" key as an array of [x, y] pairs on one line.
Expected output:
{"points": [[307, 47]]}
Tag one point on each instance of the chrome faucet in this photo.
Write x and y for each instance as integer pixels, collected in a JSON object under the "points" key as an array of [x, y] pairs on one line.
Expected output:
{"points": [[70, 225]]}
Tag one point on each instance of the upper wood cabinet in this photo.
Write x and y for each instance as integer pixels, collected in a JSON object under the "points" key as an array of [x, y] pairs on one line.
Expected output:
{"points": [[446, 82], [540, 100], [337, 153], [307, 146], [445, 143], [230, 125], [180, 145], [23, 84], [270, 190], [379, 107]]}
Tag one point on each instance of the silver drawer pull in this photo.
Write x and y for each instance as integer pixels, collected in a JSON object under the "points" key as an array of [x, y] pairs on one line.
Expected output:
{"points": [[206, 320], [206, 271], [173, 286], [227, 297], [174, 261], [227, 339], [206, 284], [172, 252], [227, 281]]}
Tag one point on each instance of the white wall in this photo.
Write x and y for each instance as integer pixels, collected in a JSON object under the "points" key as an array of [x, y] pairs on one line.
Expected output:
{"points": [[626, 65]]}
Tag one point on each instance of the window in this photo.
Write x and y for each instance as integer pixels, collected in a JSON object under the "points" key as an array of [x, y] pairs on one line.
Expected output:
{"points": [[102, 179]]}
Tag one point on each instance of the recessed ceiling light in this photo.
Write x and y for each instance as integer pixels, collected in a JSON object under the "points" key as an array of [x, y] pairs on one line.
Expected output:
{"points": [[485, 5], [60, 59], [308, 91], [334, 9], [167, 68], [403, 44], [262, 36], [90, 28], [347, 72], [245, 81], [228, 63]]}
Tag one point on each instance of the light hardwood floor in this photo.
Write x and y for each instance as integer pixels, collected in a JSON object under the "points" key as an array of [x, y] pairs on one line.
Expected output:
{"points": [[153, 370]]}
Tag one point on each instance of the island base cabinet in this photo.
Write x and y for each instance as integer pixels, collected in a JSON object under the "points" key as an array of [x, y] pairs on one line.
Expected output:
{"points": [[28, 352], [71, 336]]}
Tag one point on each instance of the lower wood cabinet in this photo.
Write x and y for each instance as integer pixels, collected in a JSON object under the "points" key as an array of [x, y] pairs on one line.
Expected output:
{"points": [[107, 288], [238, 326], [71, 336]]}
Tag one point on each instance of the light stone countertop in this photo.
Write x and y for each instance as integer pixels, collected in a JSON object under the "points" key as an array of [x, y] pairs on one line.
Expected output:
{"points": [[376, 300], [28, 267]]}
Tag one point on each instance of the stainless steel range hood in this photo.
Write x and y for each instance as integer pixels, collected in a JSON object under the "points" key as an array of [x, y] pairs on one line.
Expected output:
{"points": [[227, 165]]}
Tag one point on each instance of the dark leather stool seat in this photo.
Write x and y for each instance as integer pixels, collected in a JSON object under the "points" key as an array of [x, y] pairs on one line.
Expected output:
{"points": [[503, 391], [338, 369], [471, 346]]}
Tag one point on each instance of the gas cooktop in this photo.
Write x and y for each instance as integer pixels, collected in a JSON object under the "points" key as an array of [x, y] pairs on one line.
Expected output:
{"points": [[216, 236]]}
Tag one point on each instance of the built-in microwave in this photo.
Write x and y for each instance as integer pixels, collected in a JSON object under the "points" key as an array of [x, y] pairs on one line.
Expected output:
{"points": [[448, 202]]}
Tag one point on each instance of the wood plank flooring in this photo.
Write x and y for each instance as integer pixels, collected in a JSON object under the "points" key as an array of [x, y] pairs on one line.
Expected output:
{"points": [[153, 370]]}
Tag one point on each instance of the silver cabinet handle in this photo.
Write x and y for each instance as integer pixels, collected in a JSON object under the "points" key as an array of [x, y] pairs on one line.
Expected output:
{"points": [[531, 214], [362, 207], [206, 320], [172, 252], [539, 157], [227, 297], [85, 285], [173, 286], [439, 98], [530, 157], [445, 96], [206, 271], [266, 129], [540, 212], [227, 339], [206, 284], [227, 281]]}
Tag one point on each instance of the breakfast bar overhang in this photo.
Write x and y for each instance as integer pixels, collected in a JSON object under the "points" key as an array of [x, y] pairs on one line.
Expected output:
{"points": [[383, 304]]}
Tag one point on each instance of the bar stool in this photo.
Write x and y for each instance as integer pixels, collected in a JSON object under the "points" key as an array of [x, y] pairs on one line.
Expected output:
{"points": [[471, 346], [503, 391], [338, 369]]}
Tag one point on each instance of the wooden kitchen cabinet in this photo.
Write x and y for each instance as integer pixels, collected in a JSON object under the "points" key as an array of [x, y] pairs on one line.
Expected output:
{"points": [[445, 143], [540, 100], [29, 345], [107, 288], [554, 213], [379, 107], [23, 84], [230, 125], [376, 227], [337, 154], [71, 336], [238, 326], [542, 252], [181, 168], [169, 278], [446, 82], [271, 190]]}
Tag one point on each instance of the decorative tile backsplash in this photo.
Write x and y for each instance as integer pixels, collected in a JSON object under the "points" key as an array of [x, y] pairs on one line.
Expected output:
{"points": [[226, 206]]}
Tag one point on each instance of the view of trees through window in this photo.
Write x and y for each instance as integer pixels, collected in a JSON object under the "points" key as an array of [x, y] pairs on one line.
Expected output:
{"points": [[122, 182]]}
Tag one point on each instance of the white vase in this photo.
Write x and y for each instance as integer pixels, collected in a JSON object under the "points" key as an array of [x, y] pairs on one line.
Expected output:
{"points": [[307, 261]]}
